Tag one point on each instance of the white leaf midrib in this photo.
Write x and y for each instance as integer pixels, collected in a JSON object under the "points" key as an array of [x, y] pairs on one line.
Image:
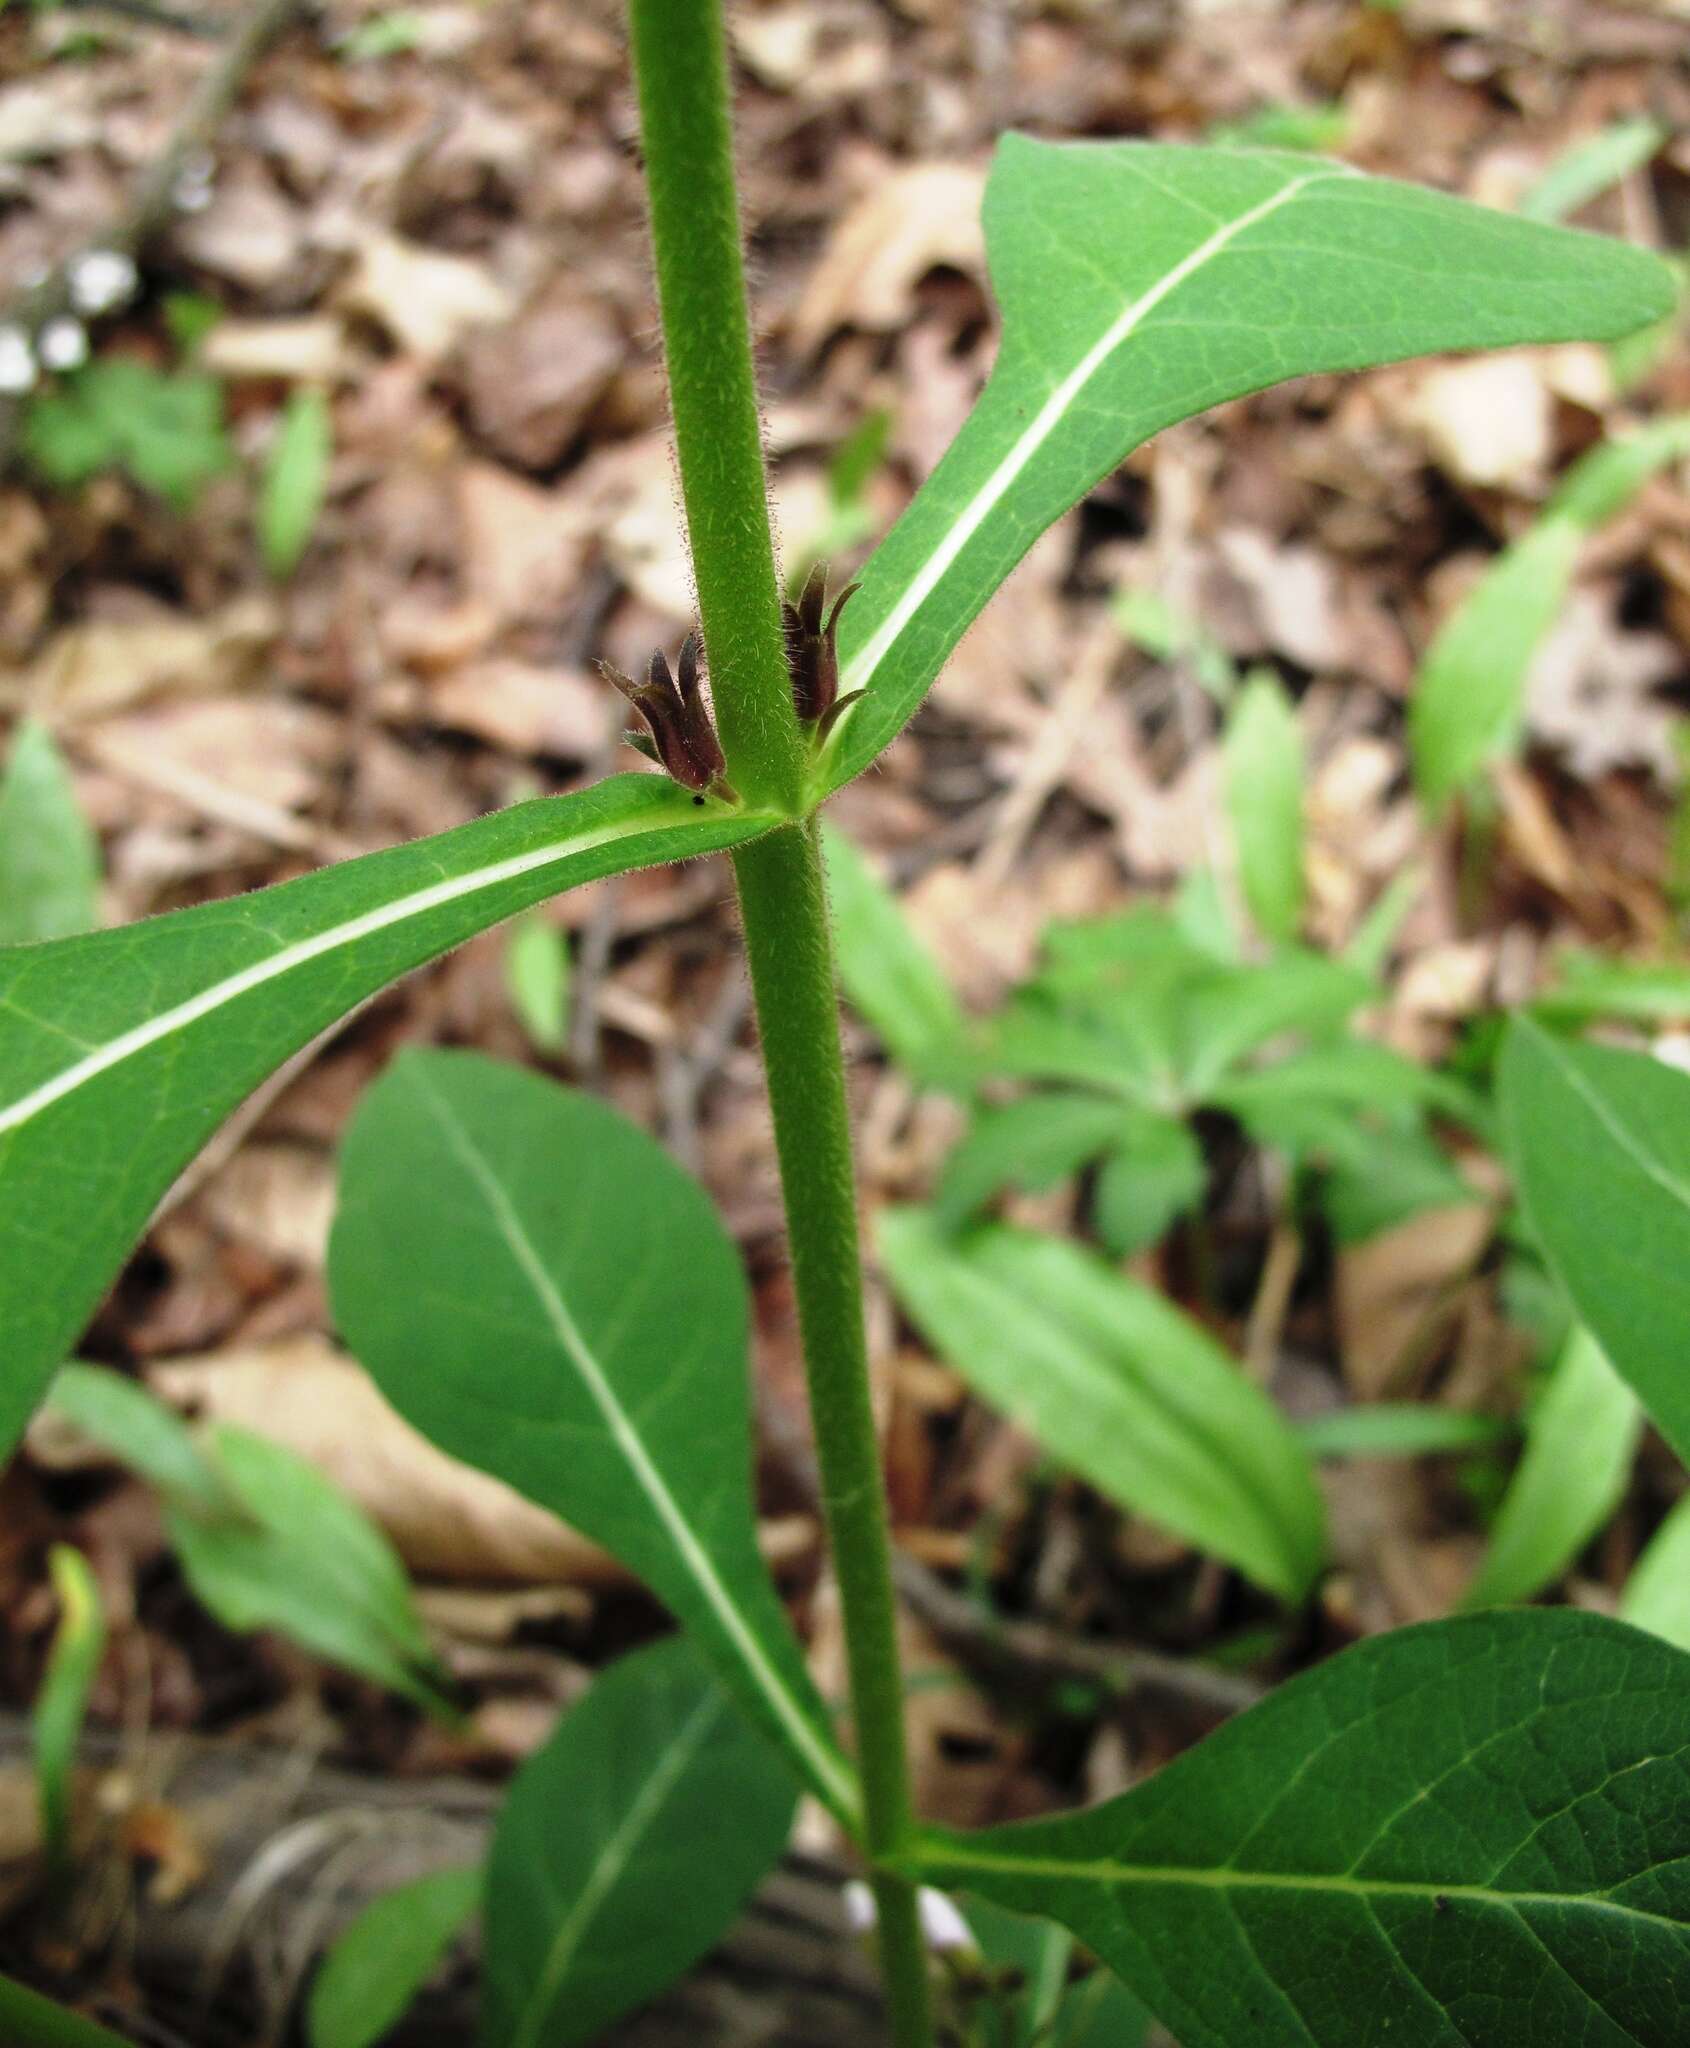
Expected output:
{"points": [[826, 1767], [417, 903], [863, 665]]}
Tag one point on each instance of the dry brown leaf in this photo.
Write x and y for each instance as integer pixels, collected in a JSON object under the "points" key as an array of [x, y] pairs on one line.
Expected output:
{"points": [[1488, 420], [277, 1197], [311, 349], [524, 709], [523, 546], [249, 233], [1397, 1290], [90, 670], [914, 219], [532, 383], [272, 751], [428, 302], [823, 50], [1293, 594], [1592, 693], [447, 1520]]}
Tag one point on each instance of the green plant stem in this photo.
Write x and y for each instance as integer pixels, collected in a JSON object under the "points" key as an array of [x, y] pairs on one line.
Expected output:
{"points": [[790, 950], [680, 64], [27, 2020]]}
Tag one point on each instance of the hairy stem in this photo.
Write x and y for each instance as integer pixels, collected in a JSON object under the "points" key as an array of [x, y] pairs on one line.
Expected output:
{"points": [[681, 64]]}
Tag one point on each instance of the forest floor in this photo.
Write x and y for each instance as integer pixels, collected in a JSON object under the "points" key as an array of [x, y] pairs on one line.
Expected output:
{"points": [[433, 215]]}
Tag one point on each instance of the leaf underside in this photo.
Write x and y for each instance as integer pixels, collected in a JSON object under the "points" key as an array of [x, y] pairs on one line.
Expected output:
{"points": [[1467, 1834]]}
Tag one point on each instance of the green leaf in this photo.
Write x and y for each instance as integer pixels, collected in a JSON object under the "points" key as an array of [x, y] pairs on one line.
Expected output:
{"points": [[887, 971], [1580, 1440], [537, 978], [121, 1052], [1469, 697], [385, 1957], [1265, 772], [31, 2021], [1600, 1146], [1156, 1176], [296, 473], [1591, 165], [1395, 1429], [1141, 283], [49, 856], [79, 1642], [1119, 1386], [537, 1287], [164, 428], [1025, 1976], [299, 1557], [1032, 1144], [671, 1808], [1657, 1595], [1100, 2012], [1469, 1834], [1591, 985], [144, 1432]]}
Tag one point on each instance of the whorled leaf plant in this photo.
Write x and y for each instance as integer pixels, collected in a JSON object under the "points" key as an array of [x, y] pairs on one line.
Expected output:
{"points": [[1319, 1848]]}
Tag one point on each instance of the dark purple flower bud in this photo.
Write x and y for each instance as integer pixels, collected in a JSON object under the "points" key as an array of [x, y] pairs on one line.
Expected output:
{"points": [[683, 738], [812, 657]]}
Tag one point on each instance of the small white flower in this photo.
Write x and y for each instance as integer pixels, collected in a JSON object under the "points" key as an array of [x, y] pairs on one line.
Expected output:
{"points": [[101, 279], [191, 192], [18, 369], [62, 344], [942, 1926]]}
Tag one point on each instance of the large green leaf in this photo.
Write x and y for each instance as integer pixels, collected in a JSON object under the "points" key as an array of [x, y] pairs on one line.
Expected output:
{"points": [[625, 1849], [1143, 282], [1470, 1834], [1469, 697], [386, 1956], [1118, 1385], [1600, 1146], [1580, 1442], [1657, 1595], [537, 1287], [122, 1051], [49, 856]]}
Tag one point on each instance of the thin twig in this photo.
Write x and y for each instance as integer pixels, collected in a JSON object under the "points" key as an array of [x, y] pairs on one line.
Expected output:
{"points": [[1023, 1651]]}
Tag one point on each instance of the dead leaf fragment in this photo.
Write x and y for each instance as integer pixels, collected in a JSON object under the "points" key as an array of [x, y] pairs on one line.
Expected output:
{"points": [[104, 665], [913, 220], [428, 302], [446, 1520], [532, 383], [1489, 420]]}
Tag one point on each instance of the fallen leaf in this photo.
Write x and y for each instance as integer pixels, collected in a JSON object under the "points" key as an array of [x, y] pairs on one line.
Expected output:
{"points": [[524, 709], [1593, 690], [277, 1197], [309, 350], [1488, 420], [100, 666], [913, 220], [428, 302], [1396, 1291], [531, 384], [523, 547], [249, 233], [446, 1520]]}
